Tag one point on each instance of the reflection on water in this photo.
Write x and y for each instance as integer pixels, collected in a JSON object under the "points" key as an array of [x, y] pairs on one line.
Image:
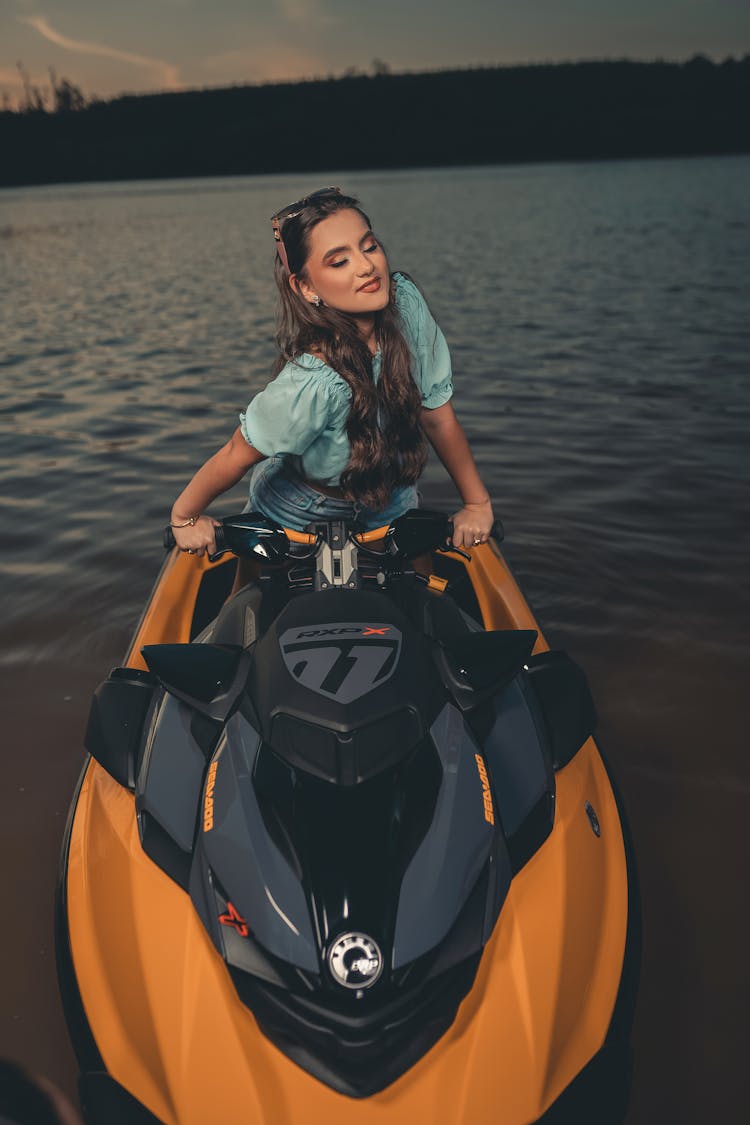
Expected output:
{"points": [[597, 315]]}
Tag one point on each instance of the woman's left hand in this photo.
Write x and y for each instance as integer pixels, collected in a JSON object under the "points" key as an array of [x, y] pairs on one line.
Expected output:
{"points": [[472, 524]]}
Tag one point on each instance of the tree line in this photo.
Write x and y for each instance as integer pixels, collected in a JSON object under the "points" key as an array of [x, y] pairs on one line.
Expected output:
{"points": [[492, 115]]}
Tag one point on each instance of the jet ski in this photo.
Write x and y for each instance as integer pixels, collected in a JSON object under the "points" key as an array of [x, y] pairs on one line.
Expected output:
{"points": [[344, 849]]}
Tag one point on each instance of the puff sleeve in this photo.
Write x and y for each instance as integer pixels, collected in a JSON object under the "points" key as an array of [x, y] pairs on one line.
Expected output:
{"points": [[304, 399], [432, 361]]}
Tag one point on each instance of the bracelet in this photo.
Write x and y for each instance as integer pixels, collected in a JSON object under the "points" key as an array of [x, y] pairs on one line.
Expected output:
{"points": [[190, 523]]}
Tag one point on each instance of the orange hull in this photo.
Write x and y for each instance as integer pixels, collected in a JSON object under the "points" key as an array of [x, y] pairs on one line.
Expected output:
{"points": [[171, 1029]]}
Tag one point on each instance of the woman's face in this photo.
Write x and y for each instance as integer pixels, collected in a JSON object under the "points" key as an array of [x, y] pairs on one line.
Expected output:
{"points": [[346, 267]]}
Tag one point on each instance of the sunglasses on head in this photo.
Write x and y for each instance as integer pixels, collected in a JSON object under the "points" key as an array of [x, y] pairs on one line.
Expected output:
{"points": [[292, 210]]}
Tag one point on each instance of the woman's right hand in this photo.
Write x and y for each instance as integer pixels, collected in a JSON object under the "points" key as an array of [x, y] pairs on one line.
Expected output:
{"points": [[199, 538]]}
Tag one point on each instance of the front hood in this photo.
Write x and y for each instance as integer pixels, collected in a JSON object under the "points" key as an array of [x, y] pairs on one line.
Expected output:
{"points": [[350, 916], [354, 796], [395, 857], [170, 1027]]}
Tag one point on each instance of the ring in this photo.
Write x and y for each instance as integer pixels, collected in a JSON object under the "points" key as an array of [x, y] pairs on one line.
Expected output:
{"points": [[477, 542], [191, 551]]}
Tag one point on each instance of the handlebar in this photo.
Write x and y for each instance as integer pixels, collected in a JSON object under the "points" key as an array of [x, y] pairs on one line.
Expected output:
{"points": [[371, 536], [302, 537], [253, 534], [417, 532]]}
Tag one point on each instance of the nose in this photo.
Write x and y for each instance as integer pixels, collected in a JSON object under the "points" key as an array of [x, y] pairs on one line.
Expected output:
{"points": [[366, 266]]}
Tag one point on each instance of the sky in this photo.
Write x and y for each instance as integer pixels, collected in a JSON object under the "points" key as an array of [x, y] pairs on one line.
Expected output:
{"points": [[107, 47]]}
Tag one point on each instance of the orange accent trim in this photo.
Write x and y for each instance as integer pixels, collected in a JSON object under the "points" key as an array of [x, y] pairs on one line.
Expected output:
{"points": [[208, 802], [489, 814], [437, 584], [169, 614], [233, 918], [371, 536], [501, 602], [299, 537], [370, 632]]}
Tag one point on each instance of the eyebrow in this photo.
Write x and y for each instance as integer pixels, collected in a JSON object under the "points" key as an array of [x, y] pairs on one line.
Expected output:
{"points": [[339, 249]]}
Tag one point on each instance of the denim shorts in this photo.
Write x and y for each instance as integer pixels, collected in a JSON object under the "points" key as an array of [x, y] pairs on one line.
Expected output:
{"points": [[287, 499]]}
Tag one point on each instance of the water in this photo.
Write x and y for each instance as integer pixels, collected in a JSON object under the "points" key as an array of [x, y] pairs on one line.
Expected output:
{"points": [[598, 320]]}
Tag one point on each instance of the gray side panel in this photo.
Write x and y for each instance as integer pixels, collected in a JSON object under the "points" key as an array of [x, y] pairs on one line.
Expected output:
{"points": [[251, 869], [237, 950], [517, 766], [171, 774], [447, 863]]}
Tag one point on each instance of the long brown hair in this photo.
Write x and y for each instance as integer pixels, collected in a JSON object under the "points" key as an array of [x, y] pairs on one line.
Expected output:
{"points": [[387, 444]]}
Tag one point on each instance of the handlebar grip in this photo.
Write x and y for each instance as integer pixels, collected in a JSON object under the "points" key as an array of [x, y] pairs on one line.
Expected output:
{"points": [[219, 538], [371, 536], [303, 537]]}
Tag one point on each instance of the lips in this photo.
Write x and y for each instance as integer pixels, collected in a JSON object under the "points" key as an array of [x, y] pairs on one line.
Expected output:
{"points": [[370, 286]]}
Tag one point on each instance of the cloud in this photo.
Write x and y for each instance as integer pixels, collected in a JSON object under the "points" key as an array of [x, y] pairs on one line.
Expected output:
{"points": [[168, 74]]}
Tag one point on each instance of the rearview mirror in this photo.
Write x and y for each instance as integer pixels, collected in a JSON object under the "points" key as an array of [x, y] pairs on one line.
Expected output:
{"points": [[116, 721], [565, 699], [252, 533]]}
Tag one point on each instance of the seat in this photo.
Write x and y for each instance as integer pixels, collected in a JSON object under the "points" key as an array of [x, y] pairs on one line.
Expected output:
{"points": [[237, 622]]}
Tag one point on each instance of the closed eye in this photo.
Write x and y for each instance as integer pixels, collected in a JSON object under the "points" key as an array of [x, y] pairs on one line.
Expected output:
{"points": [[371, 249]]}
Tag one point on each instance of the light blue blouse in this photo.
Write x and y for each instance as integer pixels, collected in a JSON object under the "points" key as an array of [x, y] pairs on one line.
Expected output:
{"points": [[303, 411]]}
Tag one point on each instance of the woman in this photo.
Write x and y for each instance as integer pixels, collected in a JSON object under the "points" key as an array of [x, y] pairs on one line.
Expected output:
{"points": [[363, 374]]}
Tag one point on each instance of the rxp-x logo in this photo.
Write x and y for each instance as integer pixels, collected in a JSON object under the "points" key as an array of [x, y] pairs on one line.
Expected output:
{"points": [[341, 659]]}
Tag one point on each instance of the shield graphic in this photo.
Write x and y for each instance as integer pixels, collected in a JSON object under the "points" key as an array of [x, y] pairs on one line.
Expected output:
{"points": [[342, 660]]}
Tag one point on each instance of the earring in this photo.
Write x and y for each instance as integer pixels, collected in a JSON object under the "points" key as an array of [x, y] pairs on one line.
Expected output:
{"points": [[317, 301]]}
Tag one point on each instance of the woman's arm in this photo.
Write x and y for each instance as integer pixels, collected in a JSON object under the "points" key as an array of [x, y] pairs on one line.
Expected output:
{"points": [[228, 465], [443, 429]]}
